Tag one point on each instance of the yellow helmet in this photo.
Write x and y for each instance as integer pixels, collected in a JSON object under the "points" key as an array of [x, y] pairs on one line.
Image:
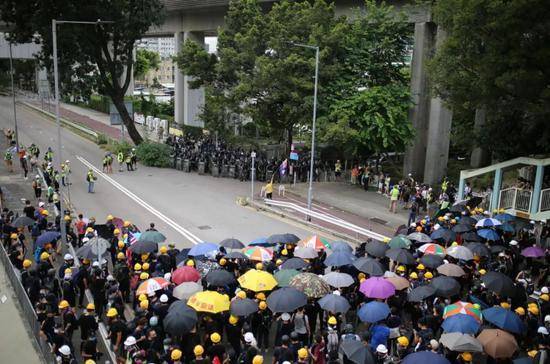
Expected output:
{"points": [[27, 263], [454, 243], [145, 266], [89, 229], [258, 359], [143, 276], [278, 262], [420, 267], [362, 280], [14, 236], [505, 305], [90, 307], [120, 244], [233, 319], [190, 263], [284, 252], [144, 257], [144, 304], [45, 212], [428, 275], [401, 268], [223, 261], [126, 223], [520, 311], [44, 256], [413, 275], [466, 356], [482, 271], [259, 266], [545, 297], [142, 297], [163, 249], [533, 309], [215, 338], [332, 320], [262, 305], [175, 354], [110, 217], [63, 304], [260, 296], [120, 256], [361, 276], [68, 271], [241, 294], [112, 312], [116, 231], [137, 267], [302, 353], [403, 341], [387, 240], [89, 361], [198, 350]]}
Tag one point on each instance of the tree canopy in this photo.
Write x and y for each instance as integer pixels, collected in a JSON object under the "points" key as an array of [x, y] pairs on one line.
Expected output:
{"points": [[146, 61], [497, 57]]}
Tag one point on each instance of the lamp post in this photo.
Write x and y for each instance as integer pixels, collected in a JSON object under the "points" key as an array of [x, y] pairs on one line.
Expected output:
{"points": [[12, 71], [252, 170]]}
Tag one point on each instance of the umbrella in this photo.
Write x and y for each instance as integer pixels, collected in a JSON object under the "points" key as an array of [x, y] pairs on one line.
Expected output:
{"points": [[523, 360], [478, 249], [507, 228], [243, 307], [258, 254], [261, 242], [232, 243], [334, 303], [283, 239], [445, 286], [462, 228], [373, 311], [419, 237], [144, 247], [338, 280], [23, 221], [459, 207], [470, 236], [339, 259], [423, 357], [305, 253], [376, 248], [236, 255], [460, 252], [533, 252], [286, 299], [504, 319], [468, 220], [488, 234], [497, 343], [180, 319], [499, 283], [203, 249], [431, 261], [47, 237], [461, 323], [182, 257], [220, 277], [462, 308], [377, 287], [505, 217], [209, 301], [185, 274], [451, 270], [152, 285], [401, 256], [257, 280], [457, 341], [315, 242], [91, 251], [294, 263], [443, 234], [399, 241], [153, 236], [311, 284], [419, 294], [370, 266], [356, 352], [341, 246], [431, 248], [488, 222], [284, 276], [186, 290], [400, 283]]}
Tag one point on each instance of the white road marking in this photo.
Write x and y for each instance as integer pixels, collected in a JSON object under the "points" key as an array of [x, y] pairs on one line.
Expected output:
{"points": [[186, 233]]}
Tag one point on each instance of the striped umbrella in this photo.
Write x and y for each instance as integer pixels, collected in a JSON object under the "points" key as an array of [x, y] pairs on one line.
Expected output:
{"points": [[432, 248], [152, 285], [315, 242], [258, 253], [465, 308]]}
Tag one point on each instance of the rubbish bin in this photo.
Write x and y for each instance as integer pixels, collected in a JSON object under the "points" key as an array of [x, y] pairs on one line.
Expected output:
{"points": [[177, 163], [225, 170], [186, 165], [232, 171], [215, 170], [201, 167]]}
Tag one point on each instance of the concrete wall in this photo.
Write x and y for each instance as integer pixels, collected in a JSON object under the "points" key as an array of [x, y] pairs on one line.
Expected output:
{"points": [[19, 51]]}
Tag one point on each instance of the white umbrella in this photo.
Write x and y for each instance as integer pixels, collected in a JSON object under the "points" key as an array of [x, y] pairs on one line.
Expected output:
{"points": [[460, 252], [186, 290], [457, 341], [306, 253], [338, 280]]}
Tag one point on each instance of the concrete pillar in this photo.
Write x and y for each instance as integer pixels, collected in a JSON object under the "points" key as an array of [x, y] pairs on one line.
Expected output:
{"points": [[179, 80], [193, 99], [497, 184], [537, 188], [480, 157], [424, 37]]}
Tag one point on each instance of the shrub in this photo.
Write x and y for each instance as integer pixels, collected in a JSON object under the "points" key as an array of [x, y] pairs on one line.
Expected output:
{"points": [[102, 139], [154, 154]]}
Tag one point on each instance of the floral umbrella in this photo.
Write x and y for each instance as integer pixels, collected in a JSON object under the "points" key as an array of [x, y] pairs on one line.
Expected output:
{"points": [[258, 253], [431, 248], [466, 308], [315, 242], [152, 285], [311, 284]]}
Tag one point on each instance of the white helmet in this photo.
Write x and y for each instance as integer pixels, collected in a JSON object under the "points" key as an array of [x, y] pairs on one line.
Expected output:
{"points": [[130, 340], [65, 350], [68, 257]]}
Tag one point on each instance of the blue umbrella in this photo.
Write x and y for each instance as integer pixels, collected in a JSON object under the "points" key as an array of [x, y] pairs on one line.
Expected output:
{"points": [[423, 357], [47, 237], [488, 234], [479, 301], [202, 249], [460, 322], [341, 246], [507, 228], [488, 222], [505, 217], [504, 319], [339, 258], [261, 242], [373, 311]]}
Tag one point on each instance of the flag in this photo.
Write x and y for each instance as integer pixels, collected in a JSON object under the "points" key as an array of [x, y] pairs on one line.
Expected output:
{"points": [[283, 168], [132, 238]]}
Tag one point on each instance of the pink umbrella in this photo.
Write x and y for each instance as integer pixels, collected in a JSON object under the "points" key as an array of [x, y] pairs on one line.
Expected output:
{"points": [[377, 287], [185, 274], [533, 252]]}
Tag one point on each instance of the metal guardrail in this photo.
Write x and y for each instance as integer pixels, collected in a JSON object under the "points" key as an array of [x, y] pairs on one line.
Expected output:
{"points": [[544, 203], [516, 198], [507, 198], [26, 307], [523, 200]]}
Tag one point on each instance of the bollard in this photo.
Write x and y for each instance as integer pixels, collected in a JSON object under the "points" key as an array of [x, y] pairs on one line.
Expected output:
{"points": [[215, 170], [201, 167], [186, 166], [231, 171], [225, 170], [178, 163]]}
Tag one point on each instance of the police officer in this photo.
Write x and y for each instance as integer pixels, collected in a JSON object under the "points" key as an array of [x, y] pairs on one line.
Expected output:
{"points": [[91, 178]]}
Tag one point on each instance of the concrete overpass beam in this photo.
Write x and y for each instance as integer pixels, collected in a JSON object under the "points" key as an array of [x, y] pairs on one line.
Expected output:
{"points": [[193, 99], [179, 115]]}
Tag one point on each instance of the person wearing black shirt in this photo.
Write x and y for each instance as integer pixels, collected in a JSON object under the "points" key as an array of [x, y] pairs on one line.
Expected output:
{"points": [[283, 353], [88, 323], [29, 210]]}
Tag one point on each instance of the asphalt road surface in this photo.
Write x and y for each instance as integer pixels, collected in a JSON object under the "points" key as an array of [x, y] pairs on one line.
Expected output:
{"points": [[186, 207]]}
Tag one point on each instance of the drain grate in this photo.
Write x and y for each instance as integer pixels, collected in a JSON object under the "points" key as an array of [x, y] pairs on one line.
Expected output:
{"points": [[205, 227], [379, 221]]}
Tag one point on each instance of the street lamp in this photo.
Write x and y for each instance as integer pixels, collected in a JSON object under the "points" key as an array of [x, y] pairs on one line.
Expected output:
{"points": [[14, 109], [57, 117], [312, 160]]}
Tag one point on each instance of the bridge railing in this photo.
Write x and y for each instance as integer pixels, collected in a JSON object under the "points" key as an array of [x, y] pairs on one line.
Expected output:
{"points": [[515, 198], [544, 203]]}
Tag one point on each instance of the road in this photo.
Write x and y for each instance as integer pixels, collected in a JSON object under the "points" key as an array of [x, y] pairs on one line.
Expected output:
{"points": [[186, 207]]}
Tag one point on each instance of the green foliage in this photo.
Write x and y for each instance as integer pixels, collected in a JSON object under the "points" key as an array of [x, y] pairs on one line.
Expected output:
{"points": [[497, 57], [154, 154], [146, 61], [102, 139], [99, 103]]}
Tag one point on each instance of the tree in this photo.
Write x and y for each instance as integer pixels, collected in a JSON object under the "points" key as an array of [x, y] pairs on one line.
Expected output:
{"points": [[497, 57], [101, 54], [146, 60]]}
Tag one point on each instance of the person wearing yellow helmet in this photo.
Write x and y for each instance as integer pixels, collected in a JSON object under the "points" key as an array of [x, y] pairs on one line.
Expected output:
{"points": [[233, 320], [284, 252], [44, 256], [413, 275], [63, 304], [466, 357], [403, 341], [262, 305], [145, 266], [215, 338], [176, 354], [259, 266], [27, 263], [89, 361], [428, 275], [260, 296], [332, 321], [241, 294], [14, 236], [144, 276], [120, 256], [401, 269], [534, 310], [198, 351], [278, 262], [190, 263], [163, 249], [482, 272], [258, 359], [420, 267], [144, 305], [223, 262], [137, 267], [520, 311], [302, 354], [361, 275]]}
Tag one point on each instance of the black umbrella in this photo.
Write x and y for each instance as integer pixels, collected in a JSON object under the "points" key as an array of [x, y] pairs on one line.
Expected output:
{"points": [[153, 236], [182, 256], [474, 201], [356, 351], [376, 248], [444, 235], [470, 236], [401, 256], [232, 243], [420, 293], [445, 286], [180, 319], [243, 307], [431, 260], [495, 249], [462, 228], [478, 249], [283, 239], [23, 221], [468, 220], [458, 208], [220, 277], [499, 283], [236, 255], [334, 303], [144, 247], [294, 263], [370, 266], [89, 252], [286, 299]]}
